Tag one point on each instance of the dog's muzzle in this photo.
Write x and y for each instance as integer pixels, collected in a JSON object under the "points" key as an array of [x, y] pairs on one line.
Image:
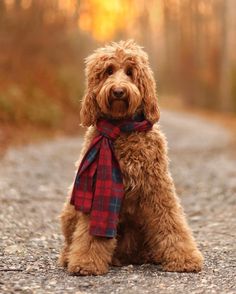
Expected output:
{"points": [[118, 94]]}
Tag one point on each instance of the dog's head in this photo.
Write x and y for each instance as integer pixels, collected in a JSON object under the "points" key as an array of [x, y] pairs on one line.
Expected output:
{"points": [[120, 83]]}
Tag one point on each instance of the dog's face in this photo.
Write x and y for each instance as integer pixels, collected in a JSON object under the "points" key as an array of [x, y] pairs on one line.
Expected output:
{"points": [[119, 84], [118, 95]]}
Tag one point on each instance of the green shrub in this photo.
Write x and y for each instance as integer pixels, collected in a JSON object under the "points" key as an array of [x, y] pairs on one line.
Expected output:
{"points": [[32, 106], [233, 88], [11, 101], [42, 109]]}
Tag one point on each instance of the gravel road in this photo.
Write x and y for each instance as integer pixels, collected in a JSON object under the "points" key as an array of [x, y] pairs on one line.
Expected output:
{"points": [[33, 185]]}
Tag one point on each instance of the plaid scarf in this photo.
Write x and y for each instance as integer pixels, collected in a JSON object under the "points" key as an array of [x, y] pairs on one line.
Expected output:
{"points": [[98, 186]]}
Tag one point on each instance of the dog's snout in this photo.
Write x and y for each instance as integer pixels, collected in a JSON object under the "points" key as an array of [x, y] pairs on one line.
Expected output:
{"points": [[118, 92]]}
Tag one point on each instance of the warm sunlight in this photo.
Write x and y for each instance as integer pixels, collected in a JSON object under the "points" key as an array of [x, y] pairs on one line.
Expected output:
{"points": [[67, 6], [104, 18]]}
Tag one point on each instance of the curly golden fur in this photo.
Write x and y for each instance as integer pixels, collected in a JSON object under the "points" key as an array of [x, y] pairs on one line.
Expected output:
{"points": [[152, 226]]}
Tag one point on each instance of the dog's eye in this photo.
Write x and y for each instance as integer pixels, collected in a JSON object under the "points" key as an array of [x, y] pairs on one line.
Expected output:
{"points": [[129, 72], [110, 70]]}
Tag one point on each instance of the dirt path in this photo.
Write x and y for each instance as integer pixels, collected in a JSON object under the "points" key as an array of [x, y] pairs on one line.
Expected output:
{"points": [[33, 184]]}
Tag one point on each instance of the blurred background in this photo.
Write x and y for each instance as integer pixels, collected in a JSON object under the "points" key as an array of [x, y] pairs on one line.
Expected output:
{"points": [[43, 43]]}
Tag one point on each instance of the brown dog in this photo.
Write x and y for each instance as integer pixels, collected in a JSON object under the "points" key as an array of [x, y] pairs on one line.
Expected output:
{"points": [[152, 226]]}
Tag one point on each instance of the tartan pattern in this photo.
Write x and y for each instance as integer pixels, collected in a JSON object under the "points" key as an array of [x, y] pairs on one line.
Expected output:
{"points": [[98, 186]]}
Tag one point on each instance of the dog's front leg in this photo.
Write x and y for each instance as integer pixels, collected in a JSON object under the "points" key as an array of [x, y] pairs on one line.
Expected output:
{"points": [[89, 255], [168, 234], [69, 217]]}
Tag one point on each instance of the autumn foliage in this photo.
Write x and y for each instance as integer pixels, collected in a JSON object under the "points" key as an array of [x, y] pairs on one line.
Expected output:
{"points": [[41, 68], [43, 44]]}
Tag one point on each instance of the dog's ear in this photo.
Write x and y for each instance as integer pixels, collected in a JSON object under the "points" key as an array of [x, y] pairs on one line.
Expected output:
{"points": [[148, 90], [89, 108]]}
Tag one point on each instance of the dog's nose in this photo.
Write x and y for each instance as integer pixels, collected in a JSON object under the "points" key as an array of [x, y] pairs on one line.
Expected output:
{"points": [[118, 92]]}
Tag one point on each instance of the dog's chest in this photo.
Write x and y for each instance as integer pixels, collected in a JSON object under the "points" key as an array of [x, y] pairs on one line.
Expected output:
{"points": [[137, 156]]}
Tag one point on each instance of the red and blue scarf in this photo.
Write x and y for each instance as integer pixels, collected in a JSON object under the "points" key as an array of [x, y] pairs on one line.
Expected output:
{"points": [[98, 187]]}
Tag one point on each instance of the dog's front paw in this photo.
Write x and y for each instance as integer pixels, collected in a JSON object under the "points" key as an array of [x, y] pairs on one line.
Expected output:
{"points": [[87, 268], [191, 263]]}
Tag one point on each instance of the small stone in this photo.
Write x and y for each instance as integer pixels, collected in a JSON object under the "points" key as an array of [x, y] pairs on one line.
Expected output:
{"points": [[215, 270], [134, 277], [29, 268], [13, 249], [162, 286]]}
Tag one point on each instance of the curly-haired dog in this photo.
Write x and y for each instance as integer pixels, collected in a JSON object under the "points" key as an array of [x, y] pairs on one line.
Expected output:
{"points": [[151, 225]]}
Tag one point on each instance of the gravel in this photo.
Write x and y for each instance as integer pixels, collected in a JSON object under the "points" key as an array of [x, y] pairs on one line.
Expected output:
{"points": [[33, 185]]}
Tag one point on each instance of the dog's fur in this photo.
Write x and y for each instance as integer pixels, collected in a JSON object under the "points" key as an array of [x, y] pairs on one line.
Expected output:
{"points": [[152, 226]]}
